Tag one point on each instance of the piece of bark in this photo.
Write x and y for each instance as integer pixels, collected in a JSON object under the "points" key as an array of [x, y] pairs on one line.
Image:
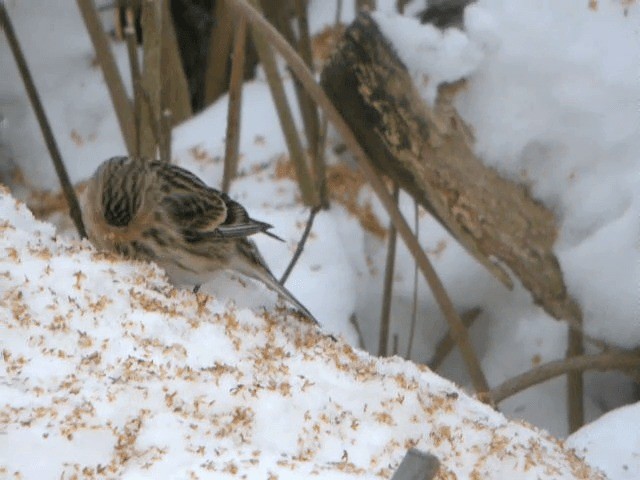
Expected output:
{"points": [[428, 151]]}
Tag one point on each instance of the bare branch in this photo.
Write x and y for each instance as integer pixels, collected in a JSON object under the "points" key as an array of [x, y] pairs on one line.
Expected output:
{"points": [[602, 362], [300, 247]]}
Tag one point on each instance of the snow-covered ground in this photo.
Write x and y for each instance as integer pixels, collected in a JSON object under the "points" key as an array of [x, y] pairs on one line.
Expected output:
{"points": [[552, 97], [114, 373]]}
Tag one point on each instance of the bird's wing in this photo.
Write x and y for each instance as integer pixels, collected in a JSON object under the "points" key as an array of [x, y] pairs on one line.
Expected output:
{"points": [[202, 212]]}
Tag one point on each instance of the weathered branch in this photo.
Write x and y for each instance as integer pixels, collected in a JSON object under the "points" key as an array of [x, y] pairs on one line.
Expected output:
{"points": [[602, 362]]}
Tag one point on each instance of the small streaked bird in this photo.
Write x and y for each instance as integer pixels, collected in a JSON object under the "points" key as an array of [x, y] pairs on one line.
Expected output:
{"points": [[155, 211]]}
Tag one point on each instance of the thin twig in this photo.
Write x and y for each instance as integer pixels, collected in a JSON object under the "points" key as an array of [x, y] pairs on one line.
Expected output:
{"points": [[232, 144], [299, 68], [414, 306], [294, 145], [45, 126], [117, 92], [387, 289], [603, 361], [446, 344], [300, 247]]}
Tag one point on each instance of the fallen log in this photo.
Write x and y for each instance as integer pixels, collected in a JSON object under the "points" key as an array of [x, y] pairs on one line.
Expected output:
{"points": [[428, 150]]}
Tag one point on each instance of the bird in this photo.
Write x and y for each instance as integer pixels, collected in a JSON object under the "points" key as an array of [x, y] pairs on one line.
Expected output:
{"points": [[157, 211]]}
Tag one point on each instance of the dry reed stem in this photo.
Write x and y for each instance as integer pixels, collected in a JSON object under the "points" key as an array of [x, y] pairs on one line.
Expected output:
{"points": [[232, 141], [294, 145], [45, 126], [298, 67], [117, 92]]}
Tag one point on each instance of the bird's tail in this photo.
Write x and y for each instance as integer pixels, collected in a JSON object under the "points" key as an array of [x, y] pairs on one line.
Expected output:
{"points": [[251, 263]]}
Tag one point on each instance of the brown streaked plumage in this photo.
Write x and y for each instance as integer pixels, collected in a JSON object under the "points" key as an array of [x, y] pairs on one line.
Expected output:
{"points": [[159, 212]]}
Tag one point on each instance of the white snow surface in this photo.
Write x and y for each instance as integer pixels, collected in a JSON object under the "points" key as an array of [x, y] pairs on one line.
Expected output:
{"points": [[111, 372], [552, 98], [612, 442]]}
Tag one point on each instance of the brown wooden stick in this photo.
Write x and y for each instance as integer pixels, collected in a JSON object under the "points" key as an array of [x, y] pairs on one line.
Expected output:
{"points": [[45, 126], [603, 361], [387, 289], [298, 67], [232, 143], [117, 92]]}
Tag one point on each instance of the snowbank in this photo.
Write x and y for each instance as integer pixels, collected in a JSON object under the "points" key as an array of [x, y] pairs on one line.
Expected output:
{"points": [[111, 372]]}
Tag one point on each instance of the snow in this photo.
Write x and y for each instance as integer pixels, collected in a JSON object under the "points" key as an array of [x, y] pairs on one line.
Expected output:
{"points": [[612, 443], [143, 375], [101, 352]]}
